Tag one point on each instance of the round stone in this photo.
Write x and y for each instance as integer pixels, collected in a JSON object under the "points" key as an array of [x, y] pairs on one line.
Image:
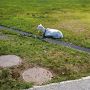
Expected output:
{"points": [[37, 75], [9, 60]]}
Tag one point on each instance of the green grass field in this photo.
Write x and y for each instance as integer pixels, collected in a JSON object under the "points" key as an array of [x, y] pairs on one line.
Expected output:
{"points": [[72, 17]]}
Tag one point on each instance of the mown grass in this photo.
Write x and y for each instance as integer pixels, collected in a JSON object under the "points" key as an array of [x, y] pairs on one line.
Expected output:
{"points": [[70, 16], [27, 14], [7, 82], [64, 63]]}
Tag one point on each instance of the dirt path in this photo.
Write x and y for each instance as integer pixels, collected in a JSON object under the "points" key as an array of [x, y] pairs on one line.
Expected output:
{"points": [[46, 39]]}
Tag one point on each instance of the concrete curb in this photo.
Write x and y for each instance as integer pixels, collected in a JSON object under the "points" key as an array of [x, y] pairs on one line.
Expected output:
{"points": [[79, 84]]}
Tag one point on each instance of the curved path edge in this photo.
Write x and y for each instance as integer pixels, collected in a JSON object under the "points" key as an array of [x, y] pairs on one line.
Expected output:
{"points": [[66, 44], [79, 84], [54, 41]]}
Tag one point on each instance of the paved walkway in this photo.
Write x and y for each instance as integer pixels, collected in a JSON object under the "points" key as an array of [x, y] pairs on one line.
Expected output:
{"points": [[81, 84]]}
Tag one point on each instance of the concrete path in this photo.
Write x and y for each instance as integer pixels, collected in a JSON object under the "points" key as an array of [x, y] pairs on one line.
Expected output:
{"points": [[81, 84]]}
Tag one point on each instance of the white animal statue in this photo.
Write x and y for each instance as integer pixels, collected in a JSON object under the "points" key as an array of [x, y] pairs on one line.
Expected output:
{"points": [[48, 32]]}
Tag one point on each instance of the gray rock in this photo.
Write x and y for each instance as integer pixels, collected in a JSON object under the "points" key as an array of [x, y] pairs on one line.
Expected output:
{"points": [[9, 60], [37, 75]]}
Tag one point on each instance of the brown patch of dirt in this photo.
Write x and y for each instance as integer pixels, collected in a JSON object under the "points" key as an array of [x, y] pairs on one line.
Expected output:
{"points": [[74, 25]]}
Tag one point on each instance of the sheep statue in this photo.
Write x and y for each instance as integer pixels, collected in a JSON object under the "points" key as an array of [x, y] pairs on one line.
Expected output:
{"points": [[48, 32]]}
